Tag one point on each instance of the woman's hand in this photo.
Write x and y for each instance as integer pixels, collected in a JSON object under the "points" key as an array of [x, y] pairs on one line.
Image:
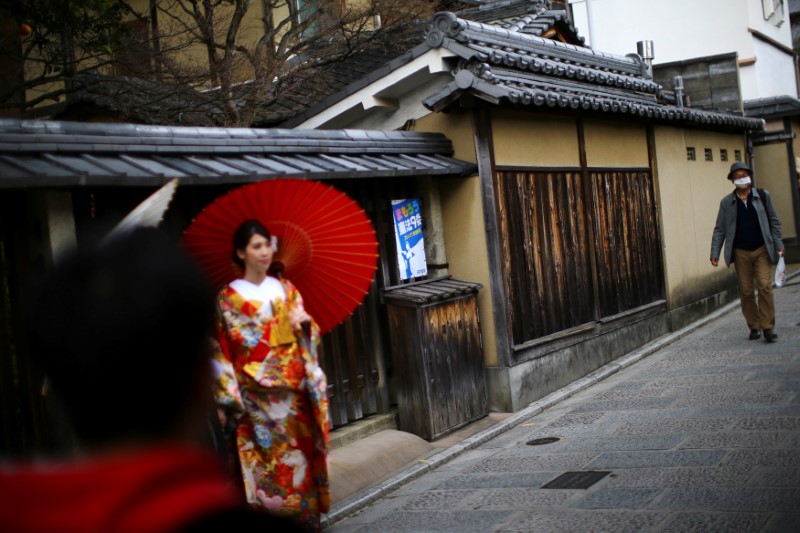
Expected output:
{"points": [[298, 317]]}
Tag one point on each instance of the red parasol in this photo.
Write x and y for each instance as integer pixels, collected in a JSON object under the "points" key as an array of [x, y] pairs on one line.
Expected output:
{"points": [[327, 245]]}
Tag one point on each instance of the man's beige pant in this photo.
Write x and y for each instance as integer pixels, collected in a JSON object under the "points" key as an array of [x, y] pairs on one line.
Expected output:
{"points": [[755, 265]]}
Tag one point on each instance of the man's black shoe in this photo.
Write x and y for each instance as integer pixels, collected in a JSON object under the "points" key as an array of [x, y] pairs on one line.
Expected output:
{"points": [[770, 335], [755, 334]]}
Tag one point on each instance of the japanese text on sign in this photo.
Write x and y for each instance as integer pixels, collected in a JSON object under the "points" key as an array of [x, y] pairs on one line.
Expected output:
{"points": [[409, 239]]}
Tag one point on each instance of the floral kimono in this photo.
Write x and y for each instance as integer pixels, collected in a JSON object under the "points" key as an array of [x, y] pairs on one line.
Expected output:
{"points": [[269, 380]]}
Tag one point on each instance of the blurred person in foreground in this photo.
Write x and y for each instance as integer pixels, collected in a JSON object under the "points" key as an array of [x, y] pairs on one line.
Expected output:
{"points": [[122, 332]]}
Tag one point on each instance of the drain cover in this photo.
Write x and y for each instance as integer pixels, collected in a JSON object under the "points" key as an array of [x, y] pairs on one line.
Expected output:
{"points": [[543, 440], [576, 480]]}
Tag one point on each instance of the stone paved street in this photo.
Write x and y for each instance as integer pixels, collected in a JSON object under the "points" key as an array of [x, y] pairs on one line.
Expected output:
{"points": [[702, 435]]}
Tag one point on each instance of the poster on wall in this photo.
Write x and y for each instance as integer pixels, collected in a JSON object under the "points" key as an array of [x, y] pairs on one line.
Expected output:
{"points": [[408, 236]]}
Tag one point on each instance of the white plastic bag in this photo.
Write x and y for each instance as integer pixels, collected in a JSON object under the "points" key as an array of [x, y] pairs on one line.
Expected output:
{"points": [[780, 272]]}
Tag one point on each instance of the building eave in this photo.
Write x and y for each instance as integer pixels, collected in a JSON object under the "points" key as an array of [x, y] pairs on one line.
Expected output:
{"points": [[372, 90], [501, 66], [67, 154], [773, 107]]}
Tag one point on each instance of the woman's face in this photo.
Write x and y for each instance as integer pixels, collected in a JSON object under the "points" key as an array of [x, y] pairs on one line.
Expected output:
{"points": [[257, 256]]}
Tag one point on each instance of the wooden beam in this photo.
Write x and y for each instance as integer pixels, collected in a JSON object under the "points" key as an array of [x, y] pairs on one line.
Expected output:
{"points": [[772, 42], [484, 148], [589, 200]]}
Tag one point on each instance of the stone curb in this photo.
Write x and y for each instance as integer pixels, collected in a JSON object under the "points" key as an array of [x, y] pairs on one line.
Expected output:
{"points": [[370, 495]]}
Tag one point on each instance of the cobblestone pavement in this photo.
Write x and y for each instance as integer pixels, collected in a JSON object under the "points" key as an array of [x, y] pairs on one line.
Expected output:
{"points": [[702, 435]]}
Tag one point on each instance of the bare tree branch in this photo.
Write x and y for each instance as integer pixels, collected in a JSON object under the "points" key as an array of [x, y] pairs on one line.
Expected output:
{"points": [[210, 61]]}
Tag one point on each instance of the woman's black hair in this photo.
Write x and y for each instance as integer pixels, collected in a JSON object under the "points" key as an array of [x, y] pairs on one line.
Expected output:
{"points": [[242, 236]]}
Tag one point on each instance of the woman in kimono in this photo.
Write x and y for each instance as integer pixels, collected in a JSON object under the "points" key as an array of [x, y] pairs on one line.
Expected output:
{"points": [[269, 385]]}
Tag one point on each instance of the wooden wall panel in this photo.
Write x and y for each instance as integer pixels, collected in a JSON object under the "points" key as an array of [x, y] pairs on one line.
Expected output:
{"points": [[628, 251], [548, 280], [548, 222]]}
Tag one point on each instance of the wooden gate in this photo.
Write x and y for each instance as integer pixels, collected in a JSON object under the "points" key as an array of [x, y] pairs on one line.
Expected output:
{"points": [[356, 354]]}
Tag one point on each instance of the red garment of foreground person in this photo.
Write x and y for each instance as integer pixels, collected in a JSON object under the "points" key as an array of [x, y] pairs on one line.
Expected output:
{"points": [[121, 331], [158, 490]]}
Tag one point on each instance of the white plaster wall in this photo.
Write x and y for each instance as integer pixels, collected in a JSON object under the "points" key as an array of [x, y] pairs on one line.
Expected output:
{"points": [[685, 29], [714, 27], [773, 74], [755, 15], [749, 82], [409, 107], [390, 101]]}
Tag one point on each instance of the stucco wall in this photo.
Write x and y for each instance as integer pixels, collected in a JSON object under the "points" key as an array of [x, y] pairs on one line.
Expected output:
{"points": [[534, 140], [462, 213], [462, 220], [772, 173], [689, 193], [457, 128], [774, 124], [628, 148], [527, 139]]}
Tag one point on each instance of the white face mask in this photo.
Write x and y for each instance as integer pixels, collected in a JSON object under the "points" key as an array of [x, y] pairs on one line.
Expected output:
{"points": [[742, 183]]}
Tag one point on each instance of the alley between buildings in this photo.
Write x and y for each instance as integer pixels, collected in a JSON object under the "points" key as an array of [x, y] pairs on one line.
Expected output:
{"points": [[701, 435]]}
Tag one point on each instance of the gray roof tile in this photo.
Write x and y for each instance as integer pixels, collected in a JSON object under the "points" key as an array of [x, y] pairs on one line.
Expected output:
{"points": [[524, 69], [121, 154], [773, 107], [395, 48]]}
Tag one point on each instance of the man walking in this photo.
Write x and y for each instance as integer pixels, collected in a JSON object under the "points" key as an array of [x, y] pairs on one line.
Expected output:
{"points": [[749, 226]]}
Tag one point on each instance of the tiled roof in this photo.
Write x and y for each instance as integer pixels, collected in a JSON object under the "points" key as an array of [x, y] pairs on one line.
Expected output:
{"points": [[145, 101], [534, 17], [773, 107], [393, 48], [391, 45], [50, 153], [346, 71], [499, 64]]}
